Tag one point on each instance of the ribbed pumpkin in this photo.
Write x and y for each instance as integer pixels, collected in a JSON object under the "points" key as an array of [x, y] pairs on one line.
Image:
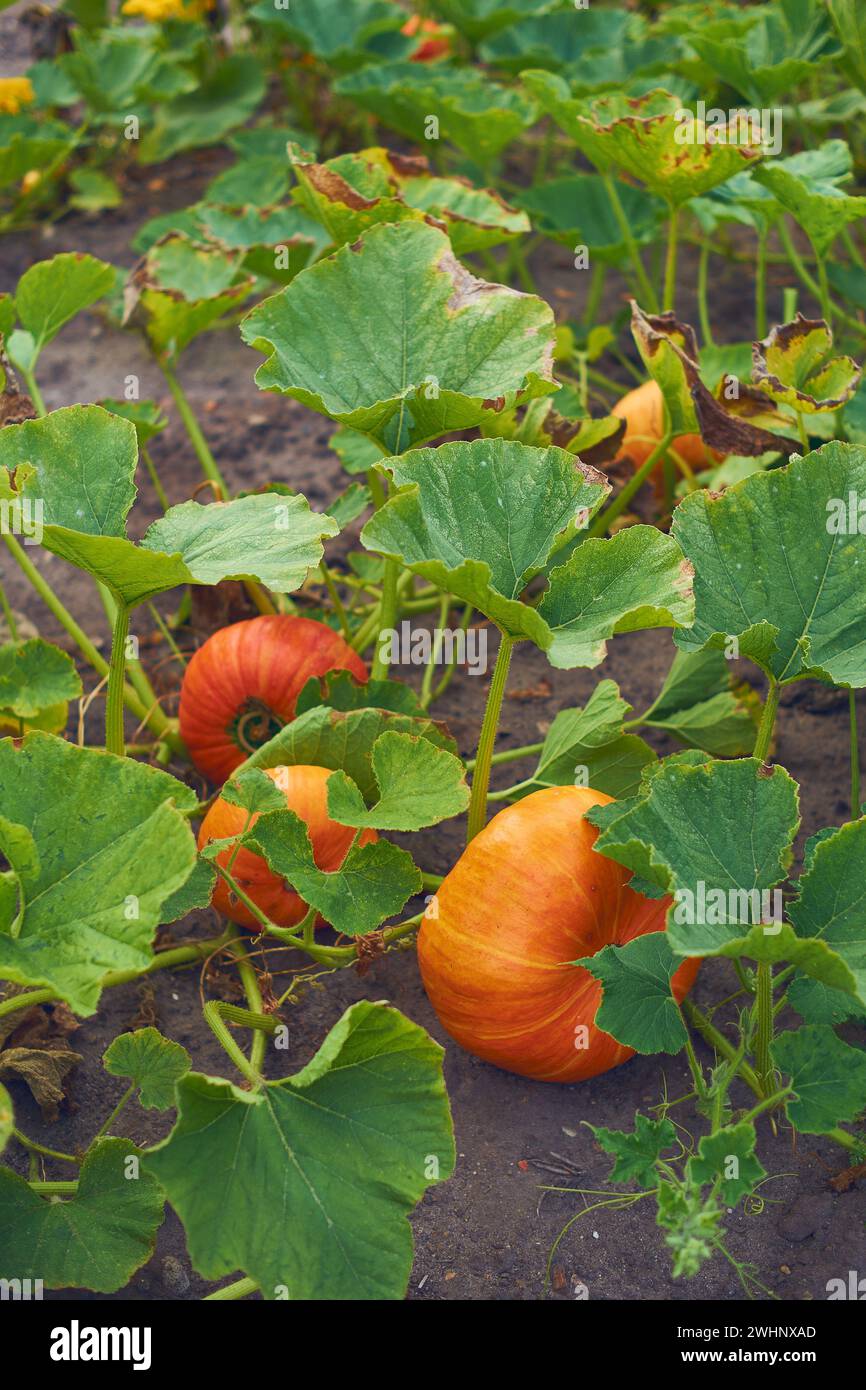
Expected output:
{"points": [[241, 686], [305, 790], [529, 895]]}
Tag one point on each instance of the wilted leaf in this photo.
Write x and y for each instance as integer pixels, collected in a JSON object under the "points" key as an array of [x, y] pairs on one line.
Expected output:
{"points": [[793, 366]]}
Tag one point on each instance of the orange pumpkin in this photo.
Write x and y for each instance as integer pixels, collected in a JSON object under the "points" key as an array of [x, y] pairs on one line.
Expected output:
{"points": [[529, 895], [643, 412], [241, 686], [305, 790]]}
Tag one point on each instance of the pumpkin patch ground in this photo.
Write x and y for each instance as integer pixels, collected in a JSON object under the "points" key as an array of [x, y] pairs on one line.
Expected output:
{"points": [[725, 1159]]}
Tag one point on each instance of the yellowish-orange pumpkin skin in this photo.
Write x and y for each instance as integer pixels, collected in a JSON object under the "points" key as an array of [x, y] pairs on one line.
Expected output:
{"points": [[528, 896]]}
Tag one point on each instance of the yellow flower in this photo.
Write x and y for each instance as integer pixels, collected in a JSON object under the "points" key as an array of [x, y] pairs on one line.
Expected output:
{"points": [[156, 11], [15, 92]]}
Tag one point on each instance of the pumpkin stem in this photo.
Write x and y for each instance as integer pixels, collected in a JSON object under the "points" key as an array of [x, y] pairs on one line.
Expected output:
{"points": [[484, 754]]}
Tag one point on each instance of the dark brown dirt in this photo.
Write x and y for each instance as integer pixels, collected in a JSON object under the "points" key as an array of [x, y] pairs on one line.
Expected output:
{"points": [[487, 1233]]}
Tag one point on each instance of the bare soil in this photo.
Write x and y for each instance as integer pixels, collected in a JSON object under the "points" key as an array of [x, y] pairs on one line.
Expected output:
{"points": [[487, 1233]]}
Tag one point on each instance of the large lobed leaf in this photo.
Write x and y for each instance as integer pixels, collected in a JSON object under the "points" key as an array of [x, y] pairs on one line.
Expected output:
{"points": [[96, 844], [394, 337], [306, 1185]]}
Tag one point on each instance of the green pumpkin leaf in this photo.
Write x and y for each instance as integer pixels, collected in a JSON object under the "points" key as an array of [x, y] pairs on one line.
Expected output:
{"points": [[828, 906], [700, 705], [636, 579], [774, 557], [560, 38], [23, 152], [644, 136], [478, 19], [306, 1185], [343, 740], [480, 519], [94, 1240], [78, 465], [34, 676], [828, 1076], [336, 31], [254, 791], [773, 56], [193, 895], [576, 211], [340, 690], [356, 452], [419, 785], [638, 1008], [479, 116], [636, 1153], [151, 1062], [51, 293], [373, 882], [717, 835], [181, 288], [147, 416], [395, 338], [92, 884], [819, 1003], [809, 190], [849, 21], [793, 366], [224, 99], [728, 1158], [589, 741]]}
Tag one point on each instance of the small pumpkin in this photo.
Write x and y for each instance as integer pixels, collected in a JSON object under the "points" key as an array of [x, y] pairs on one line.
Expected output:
{"points": [[528, 896], [241, 686], [643, 412], [305, 790]]}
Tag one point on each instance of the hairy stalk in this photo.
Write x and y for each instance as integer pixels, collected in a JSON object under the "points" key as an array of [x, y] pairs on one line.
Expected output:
{"points": [[670, 287], [387, 617], [717, 1040], [253, 995], [114, 737], [484, 752], [230, 1292], [768, 722], [193, 428], [647, 293]]}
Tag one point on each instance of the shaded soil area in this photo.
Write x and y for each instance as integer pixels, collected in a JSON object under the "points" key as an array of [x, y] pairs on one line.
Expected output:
{"points": [[487, 1233]]}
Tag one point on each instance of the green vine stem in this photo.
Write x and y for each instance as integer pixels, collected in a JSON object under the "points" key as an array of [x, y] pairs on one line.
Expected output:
{"points": [[154, 718], [605, 519], [855, 755], [387, 617], [768, 722], [114, 736], [670, 286], [32, 1145], [26, 1001], [154, 478], [6, 610], [647, 293], [33, 391], [761, 284], [764, 1024], [230, 1292], [54, 1189], [484, 752], [253, 994], [121, 1104], [717, 1040], [193, 428], [703, 308], [215, 1013]]}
